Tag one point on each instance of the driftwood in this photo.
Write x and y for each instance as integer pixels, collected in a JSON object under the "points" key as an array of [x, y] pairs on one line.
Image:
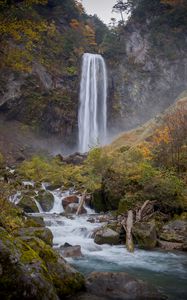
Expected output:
{"points": [[81, 203]]}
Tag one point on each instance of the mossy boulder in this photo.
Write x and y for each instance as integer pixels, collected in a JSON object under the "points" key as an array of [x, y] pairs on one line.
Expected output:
{"points": [[34, 221], [23, 273], [106, 235], [46, 200], [31, 269], [28, 204], [145, 234], [42, 233]]}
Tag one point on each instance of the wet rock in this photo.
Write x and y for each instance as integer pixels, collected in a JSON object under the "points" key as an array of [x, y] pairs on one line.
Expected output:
{"points": [[28, 204], [170, 246], [120, 286], [46, 200], [42, 233], [52, 187], [71, 251], [69, 199], [72, 209], [174, 232], [91, 220], [31, 269], [106, 236], [145, 234]]}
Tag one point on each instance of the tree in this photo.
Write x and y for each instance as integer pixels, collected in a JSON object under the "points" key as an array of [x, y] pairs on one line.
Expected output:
{"points": [[123, 6]]}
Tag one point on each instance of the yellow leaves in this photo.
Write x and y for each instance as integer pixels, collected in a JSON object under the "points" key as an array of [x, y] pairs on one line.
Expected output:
{"points": [[90, 34], [74, 24], [162, 135], [145, 150], [21, 33]]}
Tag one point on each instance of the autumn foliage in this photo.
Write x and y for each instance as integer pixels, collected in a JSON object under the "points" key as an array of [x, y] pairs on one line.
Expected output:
{"points": [[169, 141]]}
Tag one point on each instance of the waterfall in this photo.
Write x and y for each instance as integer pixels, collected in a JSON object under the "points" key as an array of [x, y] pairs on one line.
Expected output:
{"points": [[92, 119]]}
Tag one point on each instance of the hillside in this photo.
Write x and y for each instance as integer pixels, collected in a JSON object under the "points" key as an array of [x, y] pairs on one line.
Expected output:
{"points": [[145, 132]]}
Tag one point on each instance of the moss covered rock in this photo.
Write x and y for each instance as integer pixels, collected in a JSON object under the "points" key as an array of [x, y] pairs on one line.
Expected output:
{"points": [[42, 233], [31, 269], [23, 273], [46, 200], [145, 234], [28, 204]]}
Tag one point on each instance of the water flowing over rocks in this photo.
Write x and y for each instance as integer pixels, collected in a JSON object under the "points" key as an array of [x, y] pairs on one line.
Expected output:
{"points": [[46, 200]]}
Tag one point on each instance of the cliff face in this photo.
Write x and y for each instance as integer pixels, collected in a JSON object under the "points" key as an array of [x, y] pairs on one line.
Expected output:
{"points": [[46, 98], [151, 70]]}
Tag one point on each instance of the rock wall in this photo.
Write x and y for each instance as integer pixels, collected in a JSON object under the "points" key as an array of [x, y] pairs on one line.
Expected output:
{"points": [[146, 79]]}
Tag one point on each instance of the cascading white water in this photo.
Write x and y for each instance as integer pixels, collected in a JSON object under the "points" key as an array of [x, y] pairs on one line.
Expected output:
{"points": [[164, 269], [92, 119]]}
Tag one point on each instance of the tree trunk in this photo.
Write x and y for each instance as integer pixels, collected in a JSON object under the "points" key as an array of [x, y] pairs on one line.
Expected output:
{"points": [[81, 203], [129, 225]]}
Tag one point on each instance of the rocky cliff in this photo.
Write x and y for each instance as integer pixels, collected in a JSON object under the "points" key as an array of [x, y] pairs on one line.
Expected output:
{"points": [[151, 68]]}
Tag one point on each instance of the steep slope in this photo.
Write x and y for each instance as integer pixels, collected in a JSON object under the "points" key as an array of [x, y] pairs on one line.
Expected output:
{"points": [[146, 132]]}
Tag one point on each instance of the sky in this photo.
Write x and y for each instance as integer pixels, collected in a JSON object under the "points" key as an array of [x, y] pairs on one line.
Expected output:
{"points": [[102, 8]]}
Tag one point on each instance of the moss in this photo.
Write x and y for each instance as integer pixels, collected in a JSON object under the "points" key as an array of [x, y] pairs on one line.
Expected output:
{"points": [[98, 202], [28, 204]]}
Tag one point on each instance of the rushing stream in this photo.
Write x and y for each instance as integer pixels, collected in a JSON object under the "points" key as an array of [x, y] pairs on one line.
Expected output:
{"points": [[166, 270]]}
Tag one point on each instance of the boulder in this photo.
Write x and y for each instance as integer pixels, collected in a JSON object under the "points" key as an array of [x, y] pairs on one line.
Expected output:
{"points": [[69, 199], [42, 233], [46, 200], [145, 234], [106, 236], [70, 251], [28, 204], [72, 209], [34, 221], [170, 246], [31, 269], [174, 231], [120, 286]]}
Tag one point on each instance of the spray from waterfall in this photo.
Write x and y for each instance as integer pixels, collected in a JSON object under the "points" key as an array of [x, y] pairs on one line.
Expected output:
{"points": [[92, 119]]}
